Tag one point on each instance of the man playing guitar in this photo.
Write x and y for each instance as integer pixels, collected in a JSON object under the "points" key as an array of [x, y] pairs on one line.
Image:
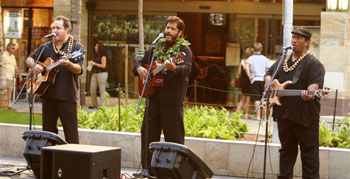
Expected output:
{"points": [[298, 116], [60, 98], [164, 109]]}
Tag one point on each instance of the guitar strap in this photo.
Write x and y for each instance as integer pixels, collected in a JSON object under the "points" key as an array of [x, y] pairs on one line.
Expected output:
{"points": [[298, 72]]}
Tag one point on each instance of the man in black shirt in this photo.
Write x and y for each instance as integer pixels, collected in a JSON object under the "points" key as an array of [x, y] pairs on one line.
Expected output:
{"points": [[164, 110], [298, 117], [60, 98]]}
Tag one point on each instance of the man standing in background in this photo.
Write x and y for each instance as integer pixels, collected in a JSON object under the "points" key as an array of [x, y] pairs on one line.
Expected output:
{"points": [[11, 69]]}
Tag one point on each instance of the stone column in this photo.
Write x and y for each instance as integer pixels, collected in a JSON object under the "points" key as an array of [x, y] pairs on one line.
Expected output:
{"points": [[335, 54], [3, 98]]}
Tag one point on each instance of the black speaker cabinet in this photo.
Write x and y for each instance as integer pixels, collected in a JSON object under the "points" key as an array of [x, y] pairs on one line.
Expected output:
{"points": [[35, 140], [73, 161], [176, 161]]}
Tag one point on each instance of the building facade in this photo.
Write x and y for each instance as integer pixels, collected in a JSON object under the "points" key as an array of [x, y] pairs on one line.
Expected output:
{"points": [[219, 32]]}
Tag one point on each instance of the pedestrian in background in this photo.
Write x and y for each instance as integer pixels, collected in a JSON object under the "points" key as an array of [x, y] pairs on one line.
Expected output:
{"points": [[99, 76], [256, 70], [11, 68], [245, 83]]}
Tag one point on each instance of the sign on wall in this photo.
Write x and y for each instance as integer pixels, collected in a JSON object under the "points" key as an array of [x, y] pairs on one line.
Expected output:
{"points": [[13, 24]]}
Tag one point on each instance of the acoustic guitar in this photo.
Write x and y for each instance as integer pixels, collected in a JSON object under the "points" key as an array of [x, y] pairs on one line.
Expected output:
{"points": [[43, 80], [280, 90], [156, 78]]}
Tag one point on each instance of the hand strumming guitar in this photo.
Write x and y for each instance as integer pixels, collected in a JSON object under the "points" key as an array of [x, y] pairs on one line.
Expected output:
{"points": [[142, 72], [38, 69]]}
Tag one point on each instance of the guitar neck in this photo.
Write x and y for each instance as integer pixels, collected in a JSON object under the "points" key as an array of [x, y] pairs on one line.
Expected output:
{"points": [[160, 68], [291, 92], [157, 70], [54, 65]]}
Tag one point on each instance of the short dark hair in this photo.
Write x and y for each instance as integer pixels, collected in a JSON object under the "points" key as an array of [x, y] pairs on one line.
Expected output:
{"points": [[66, 22], [180, 23]]}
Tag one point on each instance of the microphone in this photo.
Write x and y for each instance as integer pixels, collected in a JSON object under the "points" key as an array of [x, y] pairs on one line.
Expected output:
{"points": [[50, 35], [161, 35], [288, 47]]}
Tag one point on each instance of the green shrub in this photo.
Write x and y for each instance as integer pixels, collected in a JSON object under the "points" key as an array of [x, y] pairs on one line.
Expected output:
{"points": [[339, 138], [206, 122]]}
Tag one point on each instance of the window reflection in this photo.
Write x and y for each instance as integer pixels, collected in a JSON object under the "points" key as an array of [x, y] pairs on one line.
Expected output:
{"points": [[124, 28]]}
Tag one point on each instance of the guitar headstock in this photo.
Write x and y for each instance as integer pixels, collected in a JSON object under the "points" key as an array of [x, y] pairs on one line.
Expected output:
{"points": [[180, 58], [77, 53], [322, 93]]}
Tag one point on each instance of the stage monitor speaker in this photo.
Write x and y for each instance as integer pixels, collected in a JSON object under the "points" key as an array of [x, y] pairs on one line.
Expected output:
{"points": [[74, 161], [176, 161], [35, 140]]}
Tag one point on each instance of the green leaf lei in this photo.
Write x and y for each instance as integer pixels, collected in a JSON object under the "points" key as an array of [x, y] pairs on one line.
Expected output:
{"points": [[172, 51]]}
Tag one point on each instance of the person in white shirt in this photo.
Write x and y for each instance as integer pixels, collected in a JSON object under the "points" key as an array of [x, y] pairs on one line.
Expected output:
{"points": [[256, 67]]}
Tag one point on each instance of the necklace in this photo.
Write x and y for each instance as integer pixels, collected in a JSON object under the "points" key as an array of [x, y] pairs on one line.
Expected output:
{"points": [[70, 47], [174, 50], [291, 68]]}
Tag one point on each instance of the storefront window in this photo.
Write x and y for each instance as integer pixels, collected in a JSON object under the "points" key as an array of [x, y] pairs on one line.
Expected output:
{"points": [[25, 27], [114, 32], [16, 29], [124, 28]]}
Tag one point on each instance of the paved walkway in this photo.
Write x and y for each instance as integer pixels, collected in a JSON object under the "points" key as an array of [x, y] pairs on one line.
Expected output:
{"points": [[12, 165]]}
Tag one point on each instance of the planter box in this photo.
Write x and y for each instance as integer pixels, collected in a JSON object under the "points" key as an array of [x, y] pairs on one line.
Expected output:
{"points": [[224, 157]]}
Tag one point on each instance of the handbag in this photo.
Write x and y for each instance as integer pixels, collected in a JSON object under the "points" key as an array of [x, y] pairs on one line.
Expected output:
{"points": [[236, 82]]}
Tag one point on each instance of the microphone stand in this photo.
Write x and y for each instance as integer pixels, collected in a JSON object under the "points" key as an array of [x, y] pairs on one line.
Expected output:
{"points": [[146, 116], [30, 98], [267, 95], [31, 95], [147, 79]]}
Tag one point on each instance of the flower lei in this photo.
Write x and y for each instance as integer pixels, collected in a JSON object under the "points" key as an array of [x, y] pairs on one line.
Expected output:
{"points": [[163, 55]]}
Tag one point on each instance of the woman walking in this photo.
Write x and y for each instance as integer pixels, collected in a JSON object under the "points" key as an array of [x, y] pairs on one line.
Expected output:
{"points": [[245, 83], [99, 76]]}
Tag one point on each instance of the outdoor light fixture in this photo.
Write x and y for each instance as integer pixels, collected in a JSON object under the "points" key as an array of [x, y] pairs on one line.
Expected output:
{"points": [[217, 19], [337, 5]]}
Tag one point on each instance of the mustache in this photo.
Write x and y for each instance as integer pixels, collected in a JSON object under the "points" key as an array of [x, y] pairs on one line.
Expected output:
{"points": [[168, 34]]}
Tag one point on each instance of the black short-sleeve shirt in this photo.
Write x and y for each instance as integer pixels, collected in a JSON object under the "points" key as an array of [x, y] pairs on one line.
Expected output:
{"points": [[65, 87], [293, 107]]}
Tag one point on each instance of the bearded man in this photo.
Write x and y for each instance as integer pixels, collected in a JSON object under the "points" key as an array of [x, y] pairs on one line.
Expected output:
{"points": [[164, 109]]}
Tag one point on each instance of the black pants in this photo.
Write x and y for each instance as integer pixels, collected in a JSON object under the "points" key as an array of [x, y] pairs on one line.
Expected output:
{"points": [[291, 135], [157, 118], [67, 111]]}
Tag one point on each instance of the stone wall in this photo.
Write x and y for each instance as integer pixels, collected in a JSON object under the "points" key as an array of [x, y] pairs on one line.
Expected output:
{"points": [[335, 55]]}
